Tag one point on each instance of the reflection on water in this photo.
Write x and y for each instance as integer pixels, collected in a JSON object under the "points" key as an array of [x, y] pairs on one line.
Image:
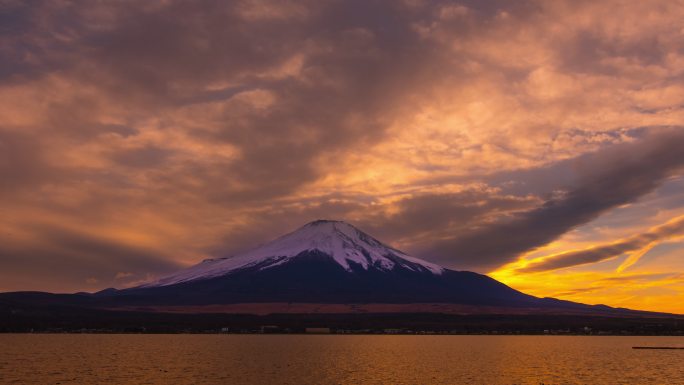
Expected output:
{"points": [[336, 359]]}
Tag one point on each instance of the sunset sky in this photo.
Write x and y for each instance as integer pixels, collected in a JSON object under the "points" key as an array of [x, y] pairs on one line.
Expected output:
{"points": [[540, 142]]}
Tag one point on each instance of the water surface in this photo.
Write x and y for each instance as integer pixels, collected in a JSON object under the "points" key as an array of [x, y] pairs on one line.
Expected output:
{"points": [[336, 359]]}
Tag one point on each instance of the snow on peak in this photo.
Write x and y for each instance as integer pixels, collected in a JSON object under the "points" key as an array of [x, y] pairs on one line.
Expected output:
{"points": [[343, 242]]}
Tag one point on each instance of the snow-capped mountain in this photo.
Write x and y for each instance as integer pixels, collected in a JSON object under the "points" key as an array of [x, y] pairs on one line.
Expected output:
{"points": [[322, 262], [348, 246]]}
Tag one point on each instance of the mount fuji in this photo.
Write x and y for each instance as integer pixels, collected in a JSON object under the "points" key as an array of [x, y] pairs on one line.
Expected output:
{"points": [[323, 240], [326, 262]]}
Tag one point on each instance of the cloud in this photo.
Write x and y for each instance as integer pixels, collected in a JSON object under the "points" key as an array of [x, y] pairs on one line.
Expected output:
{"points": [[418, 218], [178, 130], [609, 180], [66, 258], [644, 277], [609, 282], [637, 245]]}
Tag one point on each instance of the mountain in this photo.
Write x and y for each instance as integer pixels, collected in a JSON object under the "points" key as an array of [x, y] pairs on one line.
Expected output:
{"points": [[322, 240], [325, 273], [324, 262]]}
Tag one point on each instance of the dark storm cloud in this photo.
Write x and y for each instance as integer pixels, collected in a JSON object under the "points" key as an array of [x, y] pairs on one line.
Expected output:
{"points": [[430, 215], [608, 180]]}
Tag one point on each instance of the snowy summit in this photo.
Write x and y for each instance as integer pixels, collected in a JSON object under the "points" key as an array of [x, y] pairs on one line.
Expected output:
{"points": [[348, 246]]}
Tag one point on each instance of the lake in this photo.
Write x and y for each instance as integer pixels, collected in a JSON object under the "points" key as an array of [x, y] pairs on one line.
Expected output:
{"points": [[336, 359]]}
